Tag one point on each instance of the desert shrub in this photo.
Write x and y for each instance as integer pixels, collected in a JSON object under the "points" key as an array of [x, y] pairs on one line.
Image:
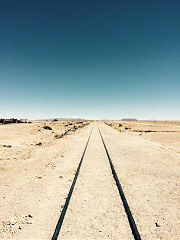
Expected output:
{"points": [[39, 144], [57, 136], [47, 127], [8, 146]]}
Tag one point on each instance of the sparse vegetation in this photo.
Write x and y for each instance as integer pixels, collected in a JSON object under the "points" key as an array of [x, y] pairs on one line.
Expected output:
{"points": [[39, 144], [57, 136], [47, 127]]}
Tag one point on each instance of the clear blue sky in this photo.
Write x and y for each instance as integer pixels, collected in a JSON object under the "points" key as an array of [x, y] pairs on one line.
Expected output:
{"points": [[90, 58]]}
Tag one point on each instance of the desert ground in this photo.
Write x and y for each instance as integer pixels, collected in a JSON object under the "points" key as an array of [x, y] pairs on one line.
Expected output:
{"points": [[38, 162]]}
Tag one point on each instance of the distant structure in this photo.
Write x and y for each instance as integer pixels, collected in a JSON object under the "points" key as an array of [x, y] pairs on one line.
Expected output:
{"points": [[6, 121], [129, 119], [13, 120]]}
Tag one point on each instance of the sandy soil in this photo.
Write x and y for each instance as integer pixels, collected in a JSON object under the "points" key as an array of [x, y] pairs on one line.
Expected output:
{"points": [[35, 180], [149, 170], [167, 133]]}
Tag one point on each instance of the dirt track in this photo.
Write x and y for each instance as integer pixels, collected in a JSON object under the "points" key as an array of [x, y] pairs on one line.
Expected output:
{"points": [[33, 191]]}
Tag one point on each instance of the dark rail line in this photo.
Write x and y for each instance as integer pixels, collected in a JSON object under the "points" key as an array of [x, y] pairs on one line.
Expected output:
{"points": [[61, 218], [132, 223]]}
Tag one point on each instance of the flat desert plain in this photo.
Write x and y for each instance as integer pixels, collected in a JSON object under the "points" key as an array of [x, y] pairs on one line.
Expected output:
{"points": [[38, 162]]}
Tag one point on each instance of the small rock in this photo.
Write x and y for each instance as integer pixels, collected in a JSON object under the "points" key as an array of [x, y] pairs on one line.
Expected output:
{"points": [[39, 144], [39, 177], [157, 224], [12, 221], [75, 127], [28, 222], [19, 228], [57, 136], [60, 176], [29, 215], [8, 146]]}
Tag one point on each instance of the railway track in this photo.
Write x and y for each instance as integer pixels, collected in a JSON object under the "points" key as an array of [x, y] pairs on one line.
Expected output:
{"points": [[131, 221], [61, 218]]}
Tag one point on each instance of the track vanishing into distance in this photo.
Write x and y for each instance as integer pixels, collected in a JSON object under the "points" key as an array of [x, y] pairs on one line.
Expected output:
{"points": [[109, 184], [132, 224], [60, 221]]}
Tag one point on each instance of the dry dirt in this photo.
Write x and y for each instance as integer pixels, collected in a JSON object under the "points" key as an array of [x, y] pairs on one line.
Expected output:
{"points": [[37, 167]]}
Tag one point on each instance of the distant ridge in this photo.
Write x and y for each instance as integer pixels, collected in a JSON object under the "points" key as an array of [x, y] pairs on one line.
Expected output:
{"points": [[129, 119], [69, 118], [65, 119]]}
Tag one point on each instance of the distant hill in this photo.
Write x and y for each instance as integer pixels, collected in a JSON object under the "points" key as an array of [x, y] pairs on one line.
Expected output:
{"points": [[66, 119], [70, 119], [129, 119]]}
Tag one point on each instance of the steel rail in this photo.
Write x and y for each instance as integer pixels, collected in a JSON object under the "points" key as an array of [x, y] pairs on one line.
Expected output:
{"points": [[61, 218], [132, 223]]}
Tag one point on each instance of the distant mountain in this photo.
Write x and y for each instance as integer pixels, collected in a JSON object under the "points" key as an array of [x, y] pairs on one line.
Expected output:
{"points": [[129, 119], [66, 119], [70, 119]]}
